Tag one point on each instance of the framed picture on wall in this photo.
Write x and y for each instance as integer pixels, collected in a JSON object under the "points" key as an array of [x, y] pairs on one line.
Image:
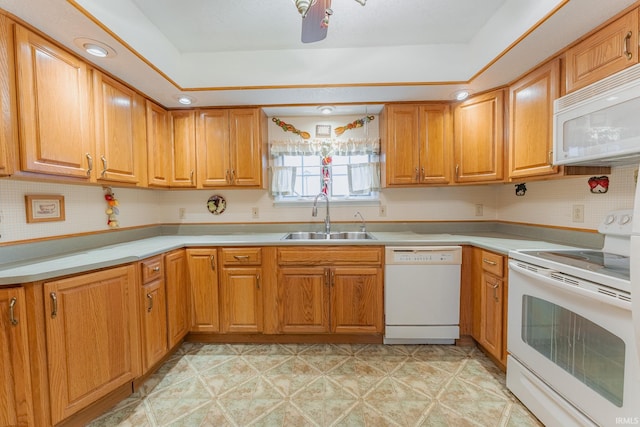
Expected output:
{"points": [[44, 207], [323, 131]]}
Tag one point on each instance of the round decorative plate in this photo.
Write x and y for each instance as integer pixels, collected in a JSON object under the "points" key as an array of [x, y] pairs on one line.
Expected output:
{"points": [[216, 204]]}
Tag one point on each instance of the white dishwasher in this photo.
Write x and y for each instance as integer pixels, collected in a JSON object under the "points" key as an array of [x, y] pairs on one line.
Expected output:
{"points": [[422, 294]]}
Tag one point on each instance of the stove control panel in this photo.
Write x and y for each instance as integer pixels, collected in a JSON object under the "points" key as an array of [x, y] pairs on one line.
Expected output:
{"points": [[617, 223]]}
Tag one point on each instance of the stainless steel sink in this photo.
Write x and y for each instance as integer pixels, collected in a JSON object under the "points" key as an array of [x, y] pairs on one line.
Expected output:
{"points": [[336, 235]]}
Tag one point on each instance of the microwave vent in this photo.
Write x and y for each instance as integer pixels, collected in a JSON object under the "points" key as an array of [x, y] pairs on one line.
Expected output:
{"points": [[629, 76]]}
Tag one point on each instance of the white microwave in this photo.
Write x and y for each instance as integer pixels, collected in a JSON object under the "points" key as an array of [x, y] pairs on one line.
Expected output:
{"points": [[599, 125]]}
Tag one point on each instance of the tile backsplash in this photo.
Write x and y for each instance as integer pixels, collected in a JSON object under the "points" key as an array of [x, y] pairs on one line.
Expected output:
{"points": [[545, 203]]}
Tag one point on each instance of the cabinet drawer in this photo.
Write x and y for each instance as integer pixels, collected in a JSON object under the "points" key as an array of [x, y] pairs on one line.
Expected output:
{"points": [[242, 256], [151, 269], [493, 263], [330, 256]]}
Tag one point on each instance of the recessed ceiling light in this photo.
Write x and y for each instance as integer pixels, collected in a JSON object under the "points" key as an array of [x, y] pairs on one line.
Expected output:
{"points": [[185, 99], [461, 95], [95, 48], [326, 109]]}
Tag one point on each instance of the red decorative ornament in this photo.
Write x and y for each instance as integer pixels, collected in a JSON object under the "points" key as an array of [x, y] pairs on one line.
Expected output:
{"points": [[599, 184]]}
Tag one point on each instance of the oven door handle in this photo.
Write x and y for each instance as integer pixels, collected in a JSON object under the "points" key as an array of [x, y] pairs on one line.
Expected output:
{"points": [[572, 289]]}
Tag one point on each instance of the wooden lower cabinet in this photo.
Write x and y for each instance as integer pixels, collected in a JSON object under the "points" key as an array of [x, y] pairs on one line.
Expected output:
{"points": [[203, 278], [303, 293], [153, 313], [489, 299], [241, 295], [318, 293], [92, 339], [178, 296], [15, 379]]}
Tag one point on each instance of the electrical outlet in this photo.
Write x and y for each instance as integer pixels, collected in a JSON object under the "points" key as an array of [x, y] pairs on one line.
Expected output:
{"points": [[577, 213], [255, 212], [182, 213], [383, 210], [479, 209]]}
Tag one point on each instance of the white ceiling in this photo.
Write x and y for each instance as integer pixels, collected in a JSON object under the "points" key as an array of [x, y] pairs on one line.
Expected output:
{"points": [[248, 52]]}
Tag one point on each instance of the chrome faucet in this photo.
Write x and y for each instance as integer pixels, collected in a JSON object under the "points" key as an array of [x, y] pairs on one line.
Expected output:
{"points": [[314, 212], [363, 226]]}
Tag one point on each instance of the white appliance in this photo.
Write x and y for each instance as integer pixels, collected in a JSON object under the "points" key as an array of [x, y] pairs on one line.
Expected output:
{"points": [[573, 357], [422, 294], [598, 124]]}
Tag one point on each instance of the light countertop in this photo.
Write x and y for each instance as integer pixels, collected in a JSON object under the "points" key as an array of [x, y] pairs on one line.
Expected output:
{"points": [[123, 253]]}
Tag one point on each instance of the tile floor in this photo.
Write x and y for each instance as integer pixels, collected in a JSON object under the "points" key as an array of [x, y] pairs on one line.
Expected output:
{"points": [[322, 385]]}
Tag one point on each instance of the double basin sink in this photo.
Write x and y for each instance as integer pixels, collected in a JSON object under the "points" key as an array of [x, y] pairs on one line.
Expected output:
{"points": [[336, 235]]}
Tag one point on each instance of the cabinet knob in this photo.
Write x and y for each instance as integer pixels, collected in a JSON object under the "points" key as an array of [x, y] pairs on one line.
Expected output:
{"points": [[156, 269]]}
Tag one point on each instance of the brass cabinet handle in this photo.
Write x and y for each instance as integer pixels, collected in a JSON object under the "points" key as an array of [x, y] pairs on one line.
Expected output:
{"points": [[627, 47], [156, 269], [241, 257], [417, 174], [495, 291], [326, 277], [227, 176], [422, 174], [486, 261], [191, 176], [550, 160], [257, 281], [104, 166], [457, 171], [333, 278], [233, 176], [54, 305], [89, 164], [150, 306], [212, 260], [12, 315]]}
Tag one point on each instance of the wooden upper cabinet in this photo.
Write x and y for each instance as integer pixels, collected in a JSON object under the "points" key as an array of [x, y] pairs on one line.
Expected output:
{"points": [[15, 379], [416, 144], [54, 121], [479, 138], [8, 108], [230, 147], [531, 122], [605, 52], [159, 147], [183, 139], [120, 131]]}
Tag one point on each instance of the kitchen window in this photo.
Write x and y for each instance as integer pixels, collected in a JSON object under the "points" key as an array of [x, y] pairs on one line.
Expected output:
{"points": [[344, 170]]}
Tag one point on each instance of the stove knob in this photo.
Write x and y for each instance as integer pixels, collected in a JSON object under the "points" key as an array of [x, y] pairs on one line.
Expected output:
{"points": [[625, 219], [609, 219]]}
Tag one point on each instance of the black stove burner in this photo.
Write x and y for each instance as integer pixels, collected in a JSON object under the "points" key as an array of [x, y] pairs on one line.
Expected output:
{"points": [[600, 262]]}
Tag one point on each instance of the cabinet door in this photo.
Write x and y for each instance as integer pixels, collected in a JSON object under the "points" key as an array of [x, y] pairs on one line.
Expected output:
{"points": [[491, 321], [183, 159], [401, 146], [531, 122], [214, 168], [8, 108], [120, 131], [178, 296], [203, 276], [479, 138], [54, 121], [15, 380], [303, 298], [245, 135], [356, 301], [241, 295], [607, 51], [92, 339], [153, 307], [159, 160], [435, 144]]}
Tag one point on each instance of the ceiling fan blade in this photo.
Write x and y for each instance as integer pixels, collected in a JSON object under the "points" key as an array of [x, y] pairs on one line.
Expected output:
{"points": [[312, 28]]}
